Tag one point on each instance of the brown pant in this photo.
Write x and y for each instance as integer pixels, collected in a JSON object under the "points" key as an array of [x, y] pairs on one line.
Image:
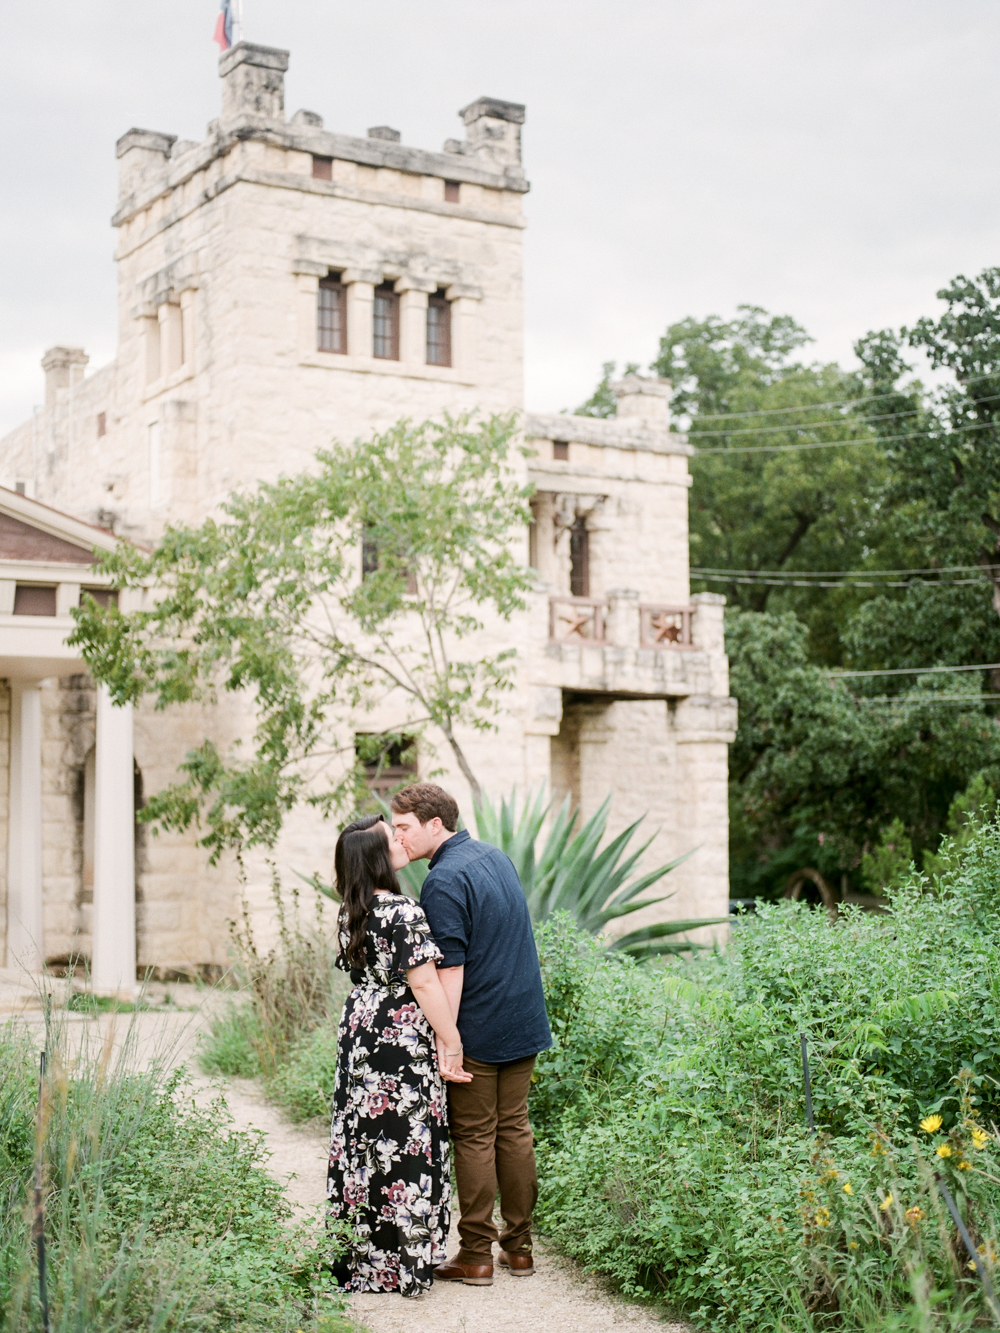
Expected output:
{"points": [[493, 1147]]}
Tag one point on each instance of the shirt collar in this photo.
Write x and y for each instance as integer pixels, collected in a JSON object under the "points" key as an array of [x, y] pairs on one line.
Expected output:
{"points": [[461, 836]]}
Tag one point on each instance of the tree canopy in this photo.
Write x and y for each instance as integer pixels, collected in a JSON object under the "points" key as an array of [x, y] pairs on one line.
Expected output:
{"points": [[319, 596]]}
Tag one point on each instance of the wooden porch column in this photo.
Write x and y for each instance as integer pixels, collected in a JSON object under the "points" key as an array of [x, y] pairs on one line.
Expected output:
{"points": [[25, 933], [113, 966]]}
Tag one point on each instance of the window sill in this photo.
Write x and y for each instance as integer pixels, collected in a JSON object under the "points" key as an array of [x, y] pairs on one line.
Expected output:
{"points": [[370, 365], [166, 382]]}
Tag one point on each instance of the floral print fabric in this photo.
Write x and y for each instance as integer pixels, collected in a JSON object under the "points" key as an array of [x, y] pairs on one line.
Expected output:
{"points": [[389, 1174]]}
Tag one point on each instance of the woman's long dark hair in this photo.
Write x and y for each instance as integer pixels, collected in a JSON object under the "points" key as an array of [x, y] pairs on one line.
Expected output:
{"points": [[361, 864]]}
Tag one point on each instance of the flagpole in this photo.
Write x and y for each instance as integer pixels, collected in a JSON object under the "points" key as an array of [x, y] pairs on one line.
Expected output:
{"points": [[239, 21]]}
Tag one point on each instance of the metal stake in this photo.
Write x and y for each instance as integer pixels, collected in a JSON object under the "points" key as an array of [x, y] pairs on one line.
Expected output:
{"points": [[974, 1254], [39, 1221], [810, 1120]]}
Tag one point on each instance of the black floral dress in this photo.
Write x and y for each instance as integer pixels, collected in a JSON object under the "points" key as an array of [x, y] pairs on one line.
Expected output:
{"points": [[389, 1174]]}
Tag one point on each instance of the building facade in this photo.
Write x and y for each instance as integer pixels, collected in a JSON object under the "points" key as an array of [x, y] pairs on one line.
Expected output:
{"points": [[281, 285]]}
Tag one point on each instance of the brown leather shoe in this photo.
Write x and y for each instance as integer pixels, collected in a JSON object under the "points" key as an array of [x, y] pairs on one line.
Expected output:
{"points": [[473, 1275], [520, 1265]]}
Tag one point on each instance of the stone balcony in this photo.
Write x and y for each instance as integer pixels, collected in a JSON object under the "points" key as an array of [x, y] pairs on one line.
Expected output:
{"points": [[631, 649]]}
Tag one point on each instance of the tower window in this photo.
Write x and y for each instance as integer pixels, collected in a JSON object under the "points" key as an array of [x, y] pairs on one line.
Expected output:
{"points": [[560, 451], [452, 192], [385, 323], [579, 559], [322, 168], [438, 329], [102, 424], [331, 315]]}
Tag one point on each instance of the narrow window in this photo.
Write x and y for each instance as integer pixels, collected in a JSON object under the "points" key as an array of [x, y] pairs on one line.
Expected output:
{"points": [[579, 559], [21, 487], [452, 191], [533, 540], [322, 168], [331, 315], [389, 761], [385, 323], [560, 451], [438, 329], [102, 424], [369, 554], [103, 596], [32, 599], [151, 331]]}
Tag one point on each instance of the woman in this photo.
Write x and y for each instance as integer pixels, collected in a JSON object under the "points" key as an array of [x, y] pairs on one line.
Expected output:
{"points": [[389, 1175]]}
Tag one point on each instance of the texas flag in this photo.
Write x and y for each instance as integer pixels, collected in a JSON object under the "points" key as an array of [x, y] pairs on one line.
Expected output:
{"points": [[224, 26]]}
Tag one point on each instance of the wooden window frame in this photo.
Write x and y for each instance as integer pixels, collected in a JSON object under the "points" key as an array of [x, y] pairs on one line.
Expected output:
{"points": [[439, 321], [331, 315], [381, 340], [579, 559]]}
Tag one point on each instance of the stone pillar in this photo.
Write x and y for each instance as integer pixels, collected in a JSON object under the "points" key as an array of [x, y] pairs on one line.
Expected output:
{"points": [[622, 625], [113, 967], [412, 325], [25, 937], [360, 313], [253, 81], [171, 338], [464, 326], [64, 367]]}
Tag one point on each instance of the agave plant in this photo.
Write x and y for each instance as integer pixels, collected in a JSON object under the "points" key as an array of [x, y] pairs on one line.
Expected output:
{"points": [[569, 874]]}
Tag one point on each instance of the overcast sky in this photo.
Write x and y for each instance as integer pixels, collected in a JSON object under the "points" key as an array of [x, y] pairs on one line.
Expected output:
{"points": [[835, 161]]}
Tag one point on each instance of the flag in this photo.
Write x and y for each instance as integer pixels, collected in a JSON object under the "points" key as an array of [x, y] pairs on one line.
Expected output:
{"points": [[224, 26]]}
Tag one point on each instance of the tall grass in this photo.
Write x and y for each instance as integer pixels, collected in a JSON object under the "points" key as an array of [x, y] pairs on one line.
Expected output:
{"points": [[159, 1213]]}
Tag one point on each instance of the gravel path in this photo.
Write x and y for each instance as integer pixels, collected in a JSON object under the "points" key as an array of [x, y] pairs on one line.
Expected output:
{"points": [[557, 1299]]}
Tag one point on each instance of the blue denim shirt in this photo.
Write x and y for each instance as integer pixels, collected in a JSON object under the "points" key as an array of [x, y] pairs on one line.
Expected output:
{"points": [[479, 917]]}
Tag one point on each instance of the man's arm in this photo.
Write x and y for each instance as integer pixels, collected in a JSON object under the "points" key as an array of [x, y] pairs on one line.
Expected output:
{"points": [[452, 980]]}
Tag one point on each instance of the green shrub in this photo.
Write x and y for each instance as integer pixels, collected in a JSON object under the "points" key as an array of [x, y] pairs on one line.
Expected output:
{"points": [[232, 1045], [674, 1156], [159, 1214]]}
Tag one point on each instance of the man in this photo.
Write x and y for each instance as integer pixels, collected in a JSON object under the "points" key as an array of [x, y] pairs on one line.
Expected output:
{"points": [[478, 914]]}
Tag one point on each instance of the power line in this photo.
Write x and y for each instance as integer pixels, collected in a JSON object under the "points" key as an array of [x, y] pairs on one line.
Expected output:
{"points": [[837, 402], [928, 699], [838, 583], [806, 425], [831, 573], [913, 671], [839, 444]]}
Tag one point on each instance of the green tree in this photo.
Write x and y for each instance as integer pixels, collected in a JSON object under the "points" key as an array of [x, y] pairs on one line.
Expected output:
{"points": [[269, 600], [602, 402]]}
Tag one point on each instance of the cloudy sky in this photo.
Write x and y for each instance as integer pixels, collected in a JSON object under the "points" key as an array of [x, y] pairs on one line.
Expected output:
{"points": [[836, 161]]}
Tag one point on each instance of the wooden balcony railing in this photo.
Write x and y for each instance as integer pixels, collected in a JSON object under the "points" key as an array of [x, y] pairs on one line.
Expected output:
{"points": [[664, 626], [576, 620]]}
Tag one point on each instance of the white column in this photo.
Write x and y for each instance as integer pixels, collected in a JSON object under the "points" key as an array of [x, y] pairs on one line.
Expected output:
{"points": [[413, 326], [113, 966], [25, 934], [360, 314]]}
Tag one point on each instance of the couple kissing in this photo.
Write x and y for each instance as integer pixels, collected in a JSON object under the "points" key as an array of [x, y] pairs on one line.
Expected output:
{"points": [[438, 1036]]}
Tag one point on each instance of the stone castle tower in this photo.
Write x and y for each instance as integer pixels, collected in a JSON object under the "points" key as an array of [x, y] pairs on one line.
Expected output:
{"points": [[281, 284]]}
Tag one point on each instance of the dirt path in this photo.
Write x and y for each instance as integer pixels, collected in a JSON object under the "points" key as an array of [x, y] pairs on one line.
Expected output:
{"points": [[558, 1299]]}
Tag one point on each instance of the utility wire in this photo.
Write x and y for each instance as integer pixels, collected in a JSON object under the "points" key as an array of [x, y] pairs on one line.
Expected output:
{"points": [[838, 444], [928, 699], [838, 402], [839, 583], [914, 671], [830, 573]]}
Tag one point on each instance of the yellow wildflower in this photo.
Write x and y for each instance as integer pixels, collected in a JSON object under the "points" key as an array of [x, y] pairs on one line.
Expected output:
{"points": [[852, 1245], [886, 1203], [964, 1166], [822, 1217], [848, 1189], [914, 1215], [943, 1150], [931, 1124], [971, 1265], [980, 1138]]}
